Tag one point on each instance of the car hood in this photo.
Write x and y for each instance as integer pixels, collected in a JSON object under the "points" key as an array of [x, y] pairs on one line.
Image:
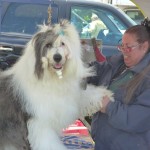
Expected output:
{"points": [[143, 5]]}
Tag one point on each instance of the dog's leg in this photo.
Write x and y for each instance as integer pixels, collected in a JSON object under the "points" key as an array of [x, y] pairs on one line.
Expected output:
{"points": [[13, 131], [91, 99], [9, 148], [42, 137], [14, 141]]}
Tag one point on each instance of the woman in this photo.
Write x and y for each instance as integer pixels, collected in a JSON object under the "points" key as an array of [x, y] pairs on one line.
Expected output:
{"points": [[125, 123]]}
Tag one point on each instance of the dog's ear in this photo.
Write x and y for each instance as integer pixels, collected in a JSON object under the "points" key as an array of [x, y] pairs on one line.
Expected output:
{"points": [[44, 62], [38, 35], [37, 41]]}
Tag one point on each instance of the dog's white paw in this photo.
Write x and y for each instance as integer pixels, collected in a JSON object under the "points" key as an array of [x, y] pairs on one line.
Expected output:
{"points": [[109, 94], [92, 98]]}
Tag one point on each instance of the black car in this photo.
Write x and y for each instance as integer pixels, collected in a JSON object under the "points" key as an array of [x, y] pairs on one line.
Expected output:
{"points": [[19, 20]]}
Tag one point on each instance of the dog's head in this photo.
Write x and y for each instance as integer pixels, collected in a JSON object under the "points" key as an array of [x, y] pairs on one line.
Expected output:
{"points": [[57, 50]]}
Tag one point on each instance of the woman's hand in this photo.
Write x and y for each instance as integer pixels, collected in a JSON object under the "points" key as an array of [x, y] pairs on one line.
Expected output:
{"points": [[104, 103]]}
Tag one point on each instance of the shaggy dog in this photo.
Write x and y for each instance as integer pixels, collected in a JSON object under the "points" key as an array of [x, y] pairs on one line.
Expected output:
{"points": [[42, 94]]}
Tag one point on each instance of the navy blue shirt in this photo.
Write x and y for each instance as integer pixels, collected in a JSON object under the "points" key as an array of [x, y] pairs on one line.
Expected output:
{"points": [[123, 126]]}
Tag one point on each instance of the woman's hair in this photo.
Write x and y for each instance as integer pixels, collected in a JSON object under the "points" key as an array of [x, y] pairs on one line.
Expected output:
{"points": [[133, 84], [142, 31], [143, 34]]}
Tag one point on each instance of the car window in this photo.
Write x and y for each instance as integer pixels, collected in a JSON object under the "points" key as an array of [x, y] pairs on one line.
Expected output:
{"points": [[136, 15], [108, 27], [25, 18]]}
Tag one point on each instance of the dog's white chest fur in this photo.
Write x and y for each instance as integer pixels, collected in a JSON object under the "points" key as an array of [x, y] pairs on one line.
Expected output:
{"points": [[49, 102]]}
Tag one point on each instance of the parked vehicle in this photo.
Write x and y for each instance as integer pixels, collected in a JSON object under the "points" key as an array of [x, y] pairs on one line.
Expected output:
{"points": [[135, 14], [20, 19]]}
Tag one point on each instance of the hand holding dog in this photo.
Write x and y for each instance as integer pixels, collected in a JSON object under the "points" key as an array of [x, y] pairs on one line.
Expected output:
{"points": [[105, 101]]}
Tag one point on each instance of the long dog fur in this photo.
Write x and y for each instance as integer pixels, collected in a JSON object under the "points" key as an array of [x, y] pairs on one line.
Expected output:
{"points": [[41, 94]]}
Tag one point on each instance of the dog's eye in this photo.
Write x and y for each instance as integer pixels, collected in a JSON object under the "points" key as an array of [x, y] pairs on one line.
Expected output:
{"points": [[62, 43], [48, 45]]}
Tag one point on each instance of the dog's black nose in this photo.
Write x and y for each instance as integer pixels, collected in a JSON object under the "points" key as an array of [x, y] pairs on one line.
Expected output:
{"points": [[57, 57]]}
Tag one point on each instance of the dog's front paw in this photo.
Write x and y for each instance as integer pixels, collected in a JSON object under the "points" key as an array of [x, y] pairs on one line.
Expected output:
{"points": [[109, 94]]}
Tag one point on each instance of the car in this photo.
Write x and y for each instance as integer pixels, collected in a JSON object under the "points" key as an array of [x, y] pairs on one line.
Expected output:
{"points": [[20, 19], [135, 14]]}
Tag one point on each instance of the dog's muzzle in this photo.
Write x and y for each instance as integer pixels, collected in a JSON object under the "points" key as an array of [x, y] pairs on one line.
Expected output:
{"points": [[58, 61], [58, 66], [57, 58]]}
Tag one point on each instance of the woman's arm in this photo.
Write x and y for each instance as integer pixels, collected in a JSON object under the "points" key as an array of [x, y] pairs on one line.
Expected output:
{"points": [[132, 118]]}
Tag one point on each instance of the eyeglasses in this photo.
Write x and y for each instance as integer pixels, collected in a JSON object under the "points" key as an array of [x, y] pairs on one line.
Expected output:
{"points": [[127, 48]]}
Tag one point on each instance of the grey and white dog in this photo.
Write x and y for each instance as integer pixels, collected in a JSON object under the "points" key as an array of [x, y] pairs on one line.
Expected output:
{"points": [[41, 94]]}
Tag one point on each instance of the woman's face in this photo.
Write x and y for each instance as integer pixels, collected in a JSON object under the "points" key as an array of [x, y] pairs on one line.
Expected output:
{"points": [[132, 51]]}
